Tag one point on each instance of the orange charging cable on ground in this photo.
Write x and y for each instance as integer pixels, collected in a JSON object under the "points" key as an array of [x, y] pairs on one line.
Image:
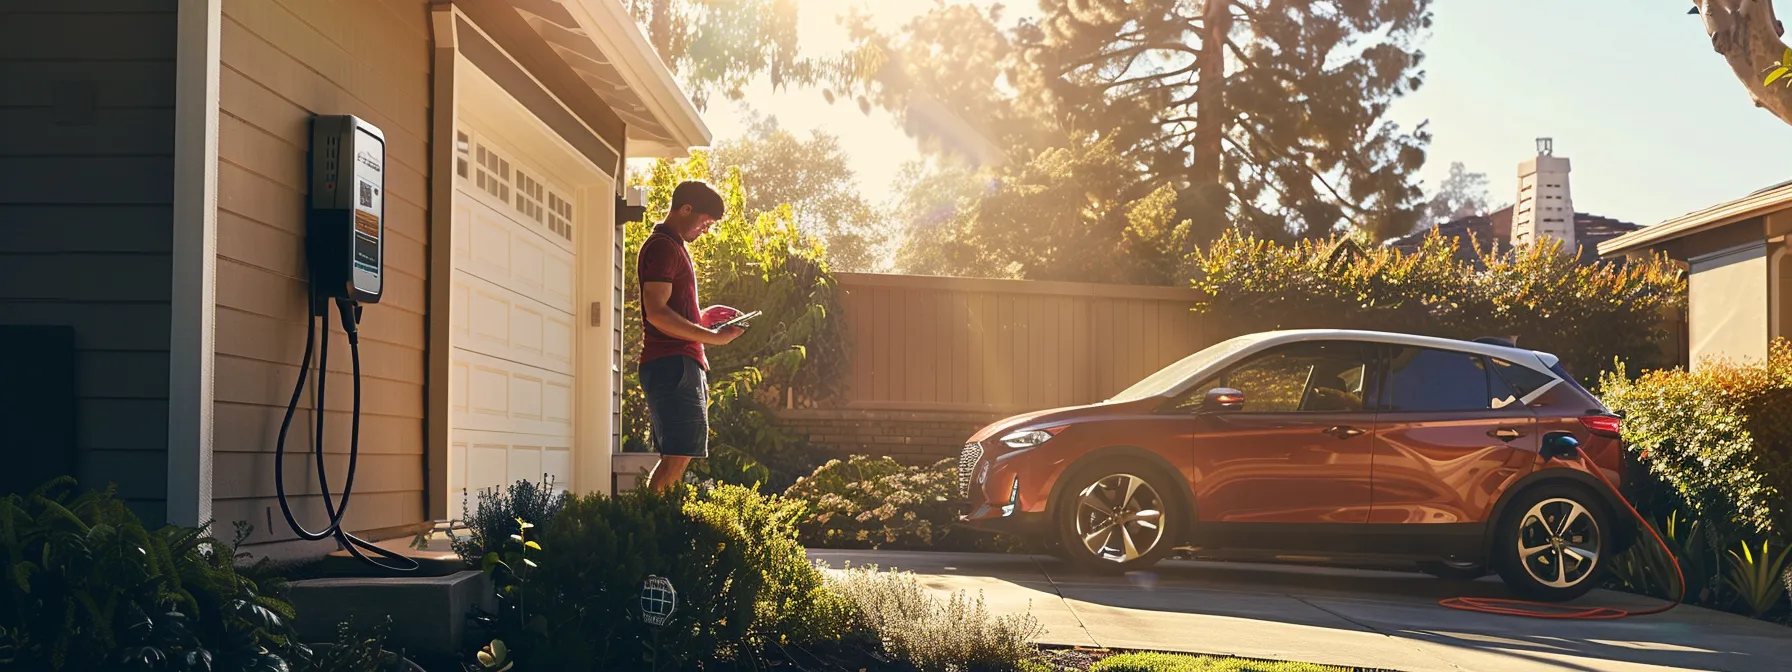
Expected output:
{"points": [[1494, 605]]}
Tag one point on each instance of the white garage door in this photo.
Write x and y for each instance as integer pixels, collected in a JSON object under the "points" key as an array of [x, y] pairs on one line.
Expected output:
{"points": [[512, 307]]}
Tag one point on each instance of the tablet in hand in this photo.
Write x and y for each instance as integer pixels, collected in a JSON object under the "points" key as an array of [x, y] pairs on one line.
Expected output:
{"points": [[739, 320]]}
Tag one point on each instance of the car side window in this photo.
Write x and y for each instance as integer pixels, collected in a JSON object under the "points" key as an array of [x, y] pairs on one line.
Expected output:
{"points": [[1430, 380], [1302, 377], [1521, 379]]}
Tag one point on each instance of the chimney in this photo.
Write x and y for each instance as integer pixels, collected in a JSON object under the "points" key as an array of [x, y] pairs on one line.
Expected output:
{"points": [[1545, 205]]}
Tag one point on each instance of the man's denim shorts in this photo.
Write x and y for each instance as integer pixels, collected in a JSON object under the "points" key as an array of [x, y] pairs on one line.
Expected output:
{"points": [[677, 405]]}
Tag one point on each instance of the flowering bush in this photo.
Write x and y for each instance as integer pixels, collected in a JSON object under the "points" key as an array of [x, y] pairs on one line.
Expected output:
{"points": [[878, 503]]}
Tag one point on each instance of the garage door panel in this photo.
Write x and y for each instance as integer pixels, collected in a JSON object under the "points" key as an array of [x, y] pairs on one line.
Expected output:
{"points": [[512, 348], [510, 326], [509, 255], [526, 259], [559, 283], [506, 396]]}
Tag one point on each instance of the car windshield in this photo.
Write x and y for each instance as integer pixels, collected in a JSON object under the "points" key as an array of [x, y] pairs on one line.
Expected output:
{"points": [[1169, 376]]}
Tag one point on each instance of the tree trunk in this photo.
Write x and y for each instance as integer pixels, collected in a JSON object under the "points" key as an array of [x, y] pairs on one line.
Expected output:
{"points": [[1747, 34], [1210, 94], [1207, 197]]}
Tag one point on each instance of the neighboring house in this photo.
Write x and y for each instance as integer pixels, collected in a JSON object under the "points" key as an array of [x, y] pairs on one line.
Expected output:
{"points": [[1739, 287], [154, 201], [1493, 231]]}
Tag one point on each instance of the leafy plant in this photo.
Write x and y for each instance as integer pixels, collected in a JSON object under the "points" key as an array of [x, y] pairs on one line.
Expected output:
{"points": [[731, 554], [1586, 314], [494, 524], [876, 502], [958, 634], [354, 651], [1644, 569], [88, 587], [1757, 578], [1720, 438]]}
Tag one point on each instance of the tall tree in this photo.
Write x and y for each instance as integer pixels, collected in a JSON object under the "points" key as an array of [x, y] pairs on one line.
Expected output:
{"points": [[1747, 34], [1462, 194], [812, 177], [1292, 93], [720, 46]]}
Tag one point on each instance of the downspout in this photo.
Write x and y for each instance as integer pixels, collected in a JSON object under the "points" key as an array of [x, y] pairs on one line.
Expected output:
{"points": [[192, 306]]}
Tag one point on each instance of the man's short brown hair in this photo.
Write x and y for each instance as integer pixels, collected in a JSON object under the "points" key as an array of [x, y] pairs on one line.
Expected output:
{"points": [[700, 196]]}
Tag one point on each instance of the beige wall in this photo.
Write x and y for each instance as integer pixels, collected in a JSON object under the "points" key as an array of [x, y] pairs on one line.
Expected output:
{"points": [[86, 158], [960, 344], [284, 60]]}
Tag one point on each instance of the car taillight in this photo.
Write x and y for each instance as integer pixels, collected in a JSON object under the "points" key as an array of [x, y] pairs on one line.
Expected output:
{"points": [[1603, 425]]}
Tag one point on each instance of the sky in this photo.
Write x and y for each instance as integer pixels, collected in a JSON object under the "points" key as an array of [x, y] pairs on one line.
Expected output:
{"points": [[1652, 119]]}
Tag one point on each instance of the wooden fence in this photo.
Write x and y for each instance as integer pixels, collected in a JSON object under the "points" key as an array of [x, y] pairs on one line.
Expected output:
{"points": [[975, 345]]}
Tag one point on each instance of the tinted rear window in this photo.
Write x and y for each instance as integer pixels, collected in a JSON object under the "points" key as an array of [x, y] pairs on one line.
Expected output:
{"points": [[1524, 380], [1423, 379]]}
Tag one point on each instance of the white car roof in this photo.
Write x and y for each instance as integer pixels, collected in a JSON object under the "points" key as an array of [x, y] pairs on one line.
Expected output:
{"points": [[1530, 359]]}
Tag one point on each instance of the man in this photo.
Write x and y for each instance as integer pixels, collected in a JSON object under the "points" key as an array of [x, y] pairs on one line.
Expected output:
{"points": [[673, 365]]}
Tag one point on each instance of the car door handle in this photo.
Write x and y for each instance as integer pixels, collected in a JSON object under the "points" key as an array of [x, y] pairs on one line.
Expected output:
{"points": [[1343, 431], [1505, 433]]}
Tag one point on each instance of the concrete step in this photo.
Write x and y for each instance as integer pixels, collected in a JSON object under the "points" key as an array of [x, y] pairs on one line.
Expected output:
{"points": [[429, 613]]}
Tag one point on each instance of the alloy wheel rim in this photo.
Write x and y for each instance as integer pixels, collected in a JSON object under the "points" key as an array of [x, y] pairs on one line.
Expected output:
{"points": [[1558, 543], [1119, 518]]}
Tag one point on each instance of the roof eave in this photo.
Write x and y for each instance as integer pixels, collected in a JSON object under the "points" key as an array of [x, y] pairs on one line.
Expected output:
{"points": [[1715, 216], [618, 36]]}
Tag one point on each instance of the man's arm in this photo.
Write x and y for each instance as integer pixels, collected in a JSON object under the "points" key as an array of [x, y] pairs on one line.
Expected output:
{"points": [[655, 298]]}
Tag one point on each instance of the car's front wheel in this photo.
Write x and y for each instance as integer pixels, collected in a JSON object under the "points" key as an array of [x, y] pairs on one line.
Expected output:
{"points": [[1554, 545], [1118, 517]]}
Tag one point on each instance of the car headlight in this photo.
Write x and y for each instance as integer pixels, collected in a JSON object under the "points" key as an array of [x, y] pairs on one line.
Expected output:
{"points": [[1029, 438]]}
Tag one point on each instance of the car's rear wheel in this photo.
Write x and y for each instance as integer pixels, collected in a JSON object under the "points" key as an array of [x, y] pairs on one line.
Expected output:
{"points": [[1118, 517], [1554, 544]]}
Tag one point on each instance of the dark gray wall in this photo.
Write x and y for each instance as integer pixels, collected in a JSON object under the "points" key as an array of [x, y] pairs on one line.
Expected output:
{"points": [[86, 162]]}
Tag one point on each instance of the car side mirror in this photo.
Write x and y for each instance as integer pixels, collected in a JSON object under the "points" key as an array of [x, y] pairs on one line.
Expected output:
{"points": [[1222, 400]]}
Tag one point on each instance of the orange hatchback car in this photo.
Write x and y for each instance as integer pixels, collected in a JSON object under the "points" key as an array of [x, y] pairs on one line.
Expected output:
{"points": [[1346, 447]]}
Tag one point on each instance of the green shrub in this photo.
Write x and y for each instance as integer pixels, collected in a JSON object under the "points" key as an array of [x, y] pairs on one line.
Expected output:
{"points": [[1720, 439], [1585, 314], [88, 587], [492, 522], [729, 552], [958, 635], [867, 502], [1175, 662]]}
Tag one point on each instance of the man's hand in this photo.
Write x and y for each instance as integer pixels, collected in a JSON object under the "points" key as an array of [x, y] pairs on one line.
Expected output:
{"points": [[726, 335]]}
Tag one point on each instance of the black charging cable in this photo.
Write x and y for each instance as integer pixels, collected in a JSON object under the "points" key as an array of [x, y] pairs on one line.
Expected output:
{"points": [[351, 318]]}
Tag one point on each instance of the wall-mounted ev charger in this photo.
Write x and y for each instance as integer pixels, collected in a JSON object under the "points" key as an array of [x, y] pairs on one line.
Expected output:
{"points": [[345, 228]]}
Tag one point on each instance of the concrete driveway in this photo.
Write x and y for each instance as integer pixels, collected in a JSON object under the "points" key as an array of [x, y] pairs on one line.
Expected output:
{"points": [[1359, 618]]}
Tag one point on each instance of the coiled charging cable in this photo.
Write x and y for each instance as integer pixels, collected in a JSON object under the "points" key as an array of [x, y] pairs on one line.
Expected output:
{"points": [[351, 318]]}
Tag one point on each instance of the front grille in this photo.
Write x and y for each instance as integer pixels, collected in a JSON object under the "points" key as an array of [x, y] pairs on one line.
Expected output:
{"points": [[967, 464]]}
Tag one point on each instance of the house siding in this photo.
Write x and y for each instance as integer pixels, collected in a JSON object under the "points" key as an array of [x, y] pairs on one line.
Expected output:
{"points": [[86, 157], [282, 62]]}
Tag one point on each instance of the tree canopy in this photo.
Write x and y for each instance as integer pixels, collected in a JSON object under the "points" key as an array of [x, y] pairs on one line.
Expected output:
{"points": [[812, 177], [1262, 115]]}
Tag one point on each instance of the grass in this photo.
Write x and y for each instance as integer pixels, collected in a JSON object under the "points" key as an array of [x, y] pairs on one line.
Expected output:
{"points": [[1175, 662]]}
